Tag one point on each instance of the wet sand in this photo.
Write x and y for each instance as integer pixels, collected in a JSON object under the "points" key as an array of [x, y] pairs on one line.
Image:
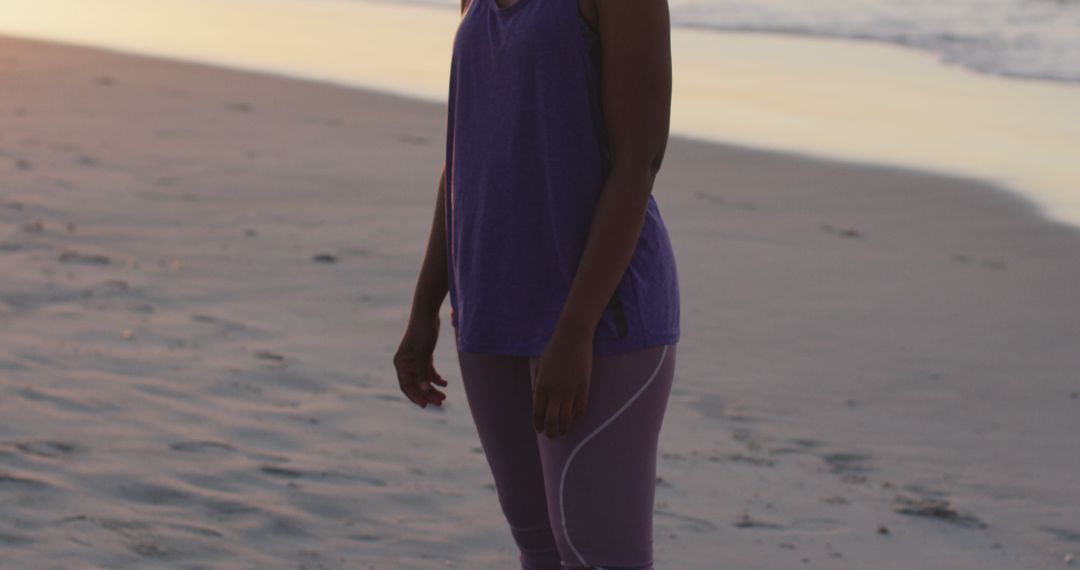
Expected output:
{"points": [[205, 273]]}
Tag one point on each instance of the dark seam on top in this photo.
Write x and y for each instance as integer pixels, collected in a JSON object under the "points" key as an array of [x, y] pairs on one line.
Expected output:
{"points": [[592, 39]]}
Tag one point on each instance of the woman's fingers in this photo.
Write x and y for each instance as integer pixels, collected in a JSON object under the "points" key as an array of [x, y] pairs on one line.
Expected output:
{"points": [[402, 370], [437, 378], [407, 381], [427, 375], [413, 393], [553, 416], [431, 395], [418, 387]]}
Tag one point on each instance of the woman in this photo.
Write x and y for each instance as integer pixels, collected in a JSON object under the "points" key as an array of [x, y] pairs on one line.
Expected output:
{"points": [[562, 281]]}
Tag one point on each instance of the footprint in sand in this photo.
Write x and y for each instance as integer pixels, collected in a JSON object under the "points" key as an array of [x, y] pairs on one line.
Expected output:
{"points": [[413, 139], [805, 525], [852, 467], [224, 324], [687, 522], [118, 284], [801, 446], [197, 530], [34, 226], [923, 491], [1063, 534], [239, 106], [18, 482], [746, 521], [60, 401], [163, 495], [148, 550], [291, 473], [201, 446], [720, 200], [932, 507], [842, 232], [73, 256], [45, 448], [987, 263], [271, 356], [750, 460], [993, 264], [15, 540]]}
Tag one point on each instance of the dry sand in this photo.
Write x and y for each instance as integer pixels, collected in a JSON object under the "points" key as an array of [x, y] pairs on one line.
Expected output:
{"points": [[204, 274]]}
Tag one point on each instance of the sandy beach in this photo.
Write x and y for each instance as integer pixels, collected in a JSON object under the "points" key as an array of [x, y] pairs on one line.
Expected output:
{"points": [[204, 274]]}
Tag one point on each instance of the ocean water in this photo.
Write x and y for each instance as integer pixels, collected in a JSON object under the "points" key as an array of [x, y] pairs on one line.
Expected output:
{"points": [[851, 100], [1015, 38]]}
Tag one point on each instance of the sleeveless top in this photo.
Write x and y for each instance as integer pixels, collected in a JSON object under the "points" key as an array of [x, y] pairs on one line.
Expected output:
{"points": [[527, 155]]}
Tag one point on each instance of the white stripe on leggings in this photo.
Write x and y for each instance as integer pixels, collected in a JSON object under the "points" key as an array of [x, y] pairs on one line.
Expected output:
{"points": [[562, 480]]}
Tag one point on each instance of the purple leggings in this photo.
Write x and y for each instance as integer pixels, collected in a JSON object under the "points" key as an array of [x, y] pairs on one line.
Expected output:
{"points": [[585, 501]]}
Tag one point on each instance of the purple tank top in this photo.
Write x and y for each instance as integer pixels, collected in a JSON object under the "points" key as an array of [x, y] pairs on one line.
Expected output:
{"points": [[527, 156]]}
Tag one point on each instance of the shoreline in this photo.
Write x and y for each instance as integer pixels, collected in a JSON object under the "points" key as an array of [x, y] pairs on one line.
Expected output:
{"points": [[1003, 191], [865, 347], [828, 98], [807, 34]]}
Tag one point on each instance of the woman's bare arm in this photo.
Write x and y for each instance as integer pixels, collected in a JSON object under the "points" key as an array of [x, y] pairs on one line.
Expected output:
{"points": [[413, 360], [636, 98], [432, 285]]}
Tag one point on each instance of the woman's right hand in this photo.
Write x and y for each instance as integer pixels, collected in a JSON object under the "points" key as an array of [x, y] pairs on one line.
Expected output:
{"points": [[413, 362]]}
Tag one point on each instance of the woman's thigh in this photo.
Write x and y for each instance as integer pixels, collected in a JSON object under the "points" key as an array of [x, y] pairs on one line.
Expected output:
{"points": [[601, 478], [499, 393]]}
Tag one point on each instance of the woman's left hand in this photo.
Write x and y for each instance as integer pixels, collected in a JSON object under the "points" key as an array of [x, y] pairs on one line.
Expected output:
{"points": [[562, 385]]}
